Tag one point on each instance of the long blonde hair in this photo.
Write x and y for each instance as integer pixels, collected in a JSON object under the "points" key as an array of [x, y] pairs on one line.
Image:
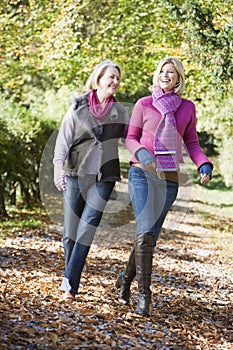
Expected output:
{"points": [[180, 86]]}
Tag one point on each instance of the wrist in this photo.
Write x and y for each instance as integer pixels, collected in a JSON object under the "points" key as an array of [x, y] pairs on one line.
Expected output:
{"points": [[144, 156]]}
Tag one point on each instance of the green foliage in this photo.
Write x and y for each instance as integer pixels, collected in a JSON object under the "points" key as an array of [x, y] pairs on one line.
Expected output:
{"points": [[226, 161], [49, 48], [49, 105], [56, 42], [216, 117], [21, 219], [52, 43], [24, 134], [208, 39]]}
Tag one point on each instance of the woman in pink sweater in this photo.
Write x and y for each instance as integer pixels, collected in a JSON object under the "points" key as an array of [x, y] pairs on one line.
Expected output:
{"points": [[160, 123]]}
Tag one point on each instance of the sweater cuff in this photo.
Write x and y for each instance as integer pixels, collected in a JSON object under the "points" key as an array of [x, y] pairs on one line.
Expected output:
{"points": [[144, 156]]}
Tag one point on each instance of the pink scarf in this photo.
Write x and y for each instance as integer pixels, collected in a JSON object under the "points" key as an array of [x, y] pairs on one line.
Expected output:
{"points": [[99, 112], [166, 133]]}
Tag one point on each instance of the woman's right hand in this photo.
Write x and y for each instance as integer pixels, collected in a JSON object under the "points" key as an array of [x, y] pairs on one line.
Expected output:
{"points": [[150, 166], [59, 176], [144, 157]]}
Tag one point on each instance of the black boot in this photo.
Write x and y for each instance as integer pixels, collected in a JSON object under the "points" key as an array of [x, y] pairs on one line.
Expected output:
{"points": [[75, 266], [143, 257], [125, 278]]}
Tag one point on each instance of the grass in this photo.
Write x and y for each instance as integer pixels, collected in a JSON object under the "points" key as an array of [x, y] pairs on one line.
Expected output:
{"points": [[215, 204], [23, 219], [215, 194]]}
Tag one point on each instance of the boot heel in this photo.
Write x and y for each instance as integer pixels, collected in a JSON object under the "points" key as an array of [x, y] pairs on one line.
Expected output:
{"points": [[124, 295], [143, 305], [125, 279]]}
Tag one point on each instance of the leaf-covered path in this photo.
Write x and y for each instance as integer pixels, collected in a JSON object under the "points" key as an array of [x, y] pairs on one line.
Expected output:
{"points": [[192, 287]]}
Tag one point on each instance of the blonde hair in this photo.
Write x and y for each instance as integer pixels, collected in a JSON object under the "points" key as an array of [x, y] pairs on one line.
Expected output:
{"points": [[98, 72], [180, 86]]}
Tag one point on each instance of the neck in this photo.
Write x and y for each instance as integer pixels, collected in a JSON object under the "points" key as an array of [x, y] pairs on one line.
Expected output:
{"points": [[101, 97]]}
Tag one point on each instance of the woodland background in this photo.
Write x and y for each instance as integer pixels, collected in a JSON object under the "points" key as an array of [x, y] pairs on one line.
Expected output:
{"points": [[49, 47]]}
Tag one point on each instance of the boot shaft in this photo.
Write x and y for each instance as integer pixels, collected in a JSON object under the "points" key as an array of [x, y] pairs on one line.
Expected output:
{"points": [[143, 257], [144, 254], [130, 271]]}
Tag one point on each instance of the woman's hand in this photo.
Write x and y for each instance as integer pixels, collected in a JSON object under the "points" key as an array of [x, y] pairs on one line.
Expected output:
{"points": [[205, 178], [150, 165], [205, 172], [144, 157]]}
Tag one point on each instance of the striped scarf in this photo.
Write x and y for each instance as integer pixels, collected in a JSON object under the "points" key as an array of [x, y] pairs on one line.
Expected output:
{"points": [[166, 132]]}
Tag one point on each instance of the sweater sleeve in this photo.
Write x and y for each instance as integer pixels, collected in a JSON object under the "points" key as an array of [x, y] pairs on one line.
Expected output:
{"points": [[135, 129], [65, 136], [192, 143]]}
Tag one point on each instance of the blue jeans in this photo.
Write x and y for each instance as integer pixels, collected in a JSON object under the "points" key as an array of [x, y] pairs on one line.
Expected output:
{"points": [[84, 203], [151, 200]]}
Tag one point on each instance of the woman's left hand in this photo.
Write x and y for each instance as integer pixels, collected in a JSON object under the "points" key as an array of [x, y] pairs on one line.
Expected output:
{"points": [[205, 172], [205, 178]]}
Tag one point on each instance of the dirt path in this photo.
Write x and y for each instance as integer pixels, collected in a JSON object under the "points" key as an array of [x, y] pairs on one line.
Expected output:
{"points": [[192, 287]]}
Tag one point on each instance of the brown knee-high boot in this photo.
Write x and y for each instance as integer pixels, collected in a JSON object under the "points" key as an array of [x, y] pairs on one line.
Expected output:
{"points": [[143, 257], [125, 278]]}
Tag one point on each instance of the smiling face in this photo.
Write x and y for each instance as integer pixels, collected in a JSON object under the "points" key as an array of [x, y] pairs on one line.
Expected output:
{"points": [[109, 83], [168, 77]]}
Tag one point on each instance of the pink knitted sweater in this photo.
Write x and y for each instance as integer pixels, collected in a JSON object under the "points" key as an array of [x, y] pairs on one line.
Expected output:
{"points": [[144, 121]]}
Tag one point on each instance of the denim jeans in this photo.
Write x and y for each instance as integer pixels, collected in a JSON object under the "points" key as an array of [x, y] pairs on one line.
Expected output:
{"points": [[83, 205], [151, 200]]}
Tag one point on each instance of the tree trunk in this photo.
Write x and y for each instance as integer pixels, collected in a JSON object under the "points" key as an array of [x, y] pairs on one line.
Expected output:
{"points": [[3, 212]]}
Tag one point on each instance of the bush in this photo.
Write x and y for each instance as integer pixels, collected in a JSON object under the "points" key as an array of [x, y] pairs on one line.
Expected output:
{"points": [[25, 130], [226, 161]]}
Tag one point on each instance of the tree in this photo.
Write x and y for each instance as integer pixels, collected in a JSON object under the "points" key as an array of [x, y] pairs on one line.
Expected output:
{"points": [[49, 44], [52, 43], [208, 40]]}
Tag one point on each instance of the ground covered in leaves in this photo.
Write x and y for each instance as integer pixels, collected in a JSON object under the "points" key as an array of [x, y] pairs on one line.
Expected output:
{"points": [[192, 285]]}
